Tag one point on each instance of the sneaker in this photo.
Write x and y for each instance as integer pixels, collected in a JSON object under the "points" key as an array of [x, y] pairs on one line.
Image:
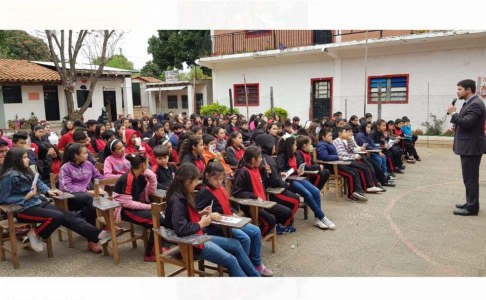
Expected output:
{"points": [[360, 196], [264, 271], [399, 171], [104, 237], [328, 222], [382, 188], [286, 229], [95, 248], [35, 241], [390, 184], [280, 229], [418, 159], [290, 229], [151, 258], [373, 190], [402, 167], [411, 161], [392, 175], [318, 223]]}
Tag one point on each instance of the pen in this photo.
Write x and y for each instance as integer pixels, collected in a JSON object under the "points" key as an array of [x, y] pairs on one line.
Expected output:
{"points": [[265, 162]]}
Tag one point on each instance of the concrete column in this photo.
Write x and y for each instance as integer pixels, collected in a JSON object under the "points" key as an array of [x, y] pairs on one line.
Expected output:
{"points": [[3, 121], [336, 88], [127, 95], [190, 99], [337, 39], [151, 103]]}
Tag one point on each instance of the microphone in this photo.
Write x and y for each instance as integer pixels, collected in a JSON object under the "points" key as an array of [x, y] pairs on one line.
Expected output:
{"points": [[453, 103]]}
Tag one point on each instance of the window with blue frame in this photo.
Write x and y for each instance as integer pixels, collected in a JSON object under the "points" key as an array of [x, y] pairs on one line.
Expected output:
{"points": [[394, 89]]}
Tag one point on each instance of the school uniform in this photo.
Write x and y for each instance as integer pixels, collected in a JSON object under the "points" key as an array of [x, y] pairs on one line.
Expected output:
{"points": [[230, 128], [155, 141], [246, 136], [164, 175], [248, 184], [379, 140], [197, 161], [220, 145], [361, 138], [405, 144], [327, 152], [132, 194], [233, 155], [273, 180], [322, 176]]}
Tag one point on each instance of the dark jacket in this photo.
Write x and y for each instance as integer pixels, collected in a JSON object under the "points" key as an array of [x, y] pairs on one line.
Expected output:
{"points": [[205, 198], [155, 141], [164, 175], [469, 138], [230, 157], [326, 151], [190, 158], [283, 163], [246, 136], [242, 186], [177, 216], [362, 137], [377, 138], [230, 128], [266, 143], [128, 184], [300, 160]]}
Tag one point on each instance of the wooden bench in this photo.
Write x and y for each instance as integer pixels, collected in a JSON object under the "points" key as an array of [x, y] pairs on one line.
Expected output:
{"points": [[61, 201], [10, 225], [158, 196], [105, 209], [253, 206], [338, 183], [182, 255]]}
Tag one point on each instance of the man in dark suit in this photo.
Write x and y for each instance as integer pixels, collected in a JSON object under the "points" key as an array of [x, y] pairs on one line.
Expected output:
{"points": [[469, 143]]}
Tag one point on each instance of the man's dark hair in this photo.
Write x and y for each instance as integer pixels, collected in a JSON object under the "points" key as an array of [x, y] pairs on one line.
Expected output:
{"points": [[279, 125], [91, 122], [207, 138], [21, 135], [3, 143], [161, 151], [336, 114], [468, 84], [79, 124], [343, 129], [79, 136], [405, 119], [339, 113], [177, 126], [287, 124], [368, 115], [295, 119], [158, 126], [194, 129], [243, 123], [107, 134]]}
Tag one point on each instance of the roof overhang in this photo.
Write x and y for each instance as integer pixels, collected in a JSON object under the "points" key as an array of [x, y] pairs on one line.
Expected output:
{"points": [[166, 88]]}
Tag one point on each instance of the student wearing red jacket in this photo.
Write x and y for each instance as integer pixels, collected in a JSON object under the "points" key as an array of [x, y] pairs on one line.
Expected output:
{"points": [[68, 137], [133, 144]]}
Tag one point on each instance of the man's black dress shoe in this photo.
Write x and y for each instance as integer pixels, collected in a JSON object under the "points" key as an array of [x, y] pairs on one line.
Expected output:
{"points": [[461, 206], [465, 212]]}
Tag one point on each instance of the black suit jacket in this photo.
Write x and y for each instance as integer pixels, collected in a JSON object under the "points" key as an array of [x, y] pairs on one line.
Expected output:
{"points": [[469, 138]]}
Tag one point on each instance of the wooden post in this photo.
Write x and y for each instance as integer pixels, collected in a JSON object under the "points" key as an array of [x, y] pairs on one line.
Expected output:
{"points": [[231, 101], [160, 102], [194, 96], [379, 100], [271, 99], [246, 98]]}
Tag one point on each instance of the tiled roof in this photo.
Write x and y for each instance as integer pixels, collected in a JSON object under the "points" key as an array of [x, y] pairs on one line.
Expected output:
{"points": [[12, 70], [148, 79]]}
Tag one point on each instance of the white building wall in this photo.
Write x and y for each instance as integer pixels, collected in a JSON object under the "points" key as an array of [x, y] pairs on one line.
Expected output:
{"points": [[97, 101], [291, 85], [24, 109]]}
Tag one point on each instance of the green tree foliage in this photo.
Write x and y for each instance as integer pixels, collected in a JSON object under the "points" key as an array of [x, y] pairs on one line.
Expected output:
{"points": [[216, 108], [117, 61], [173, 47], [151, 69], [277, 111], [18, 44], [194, 73]]}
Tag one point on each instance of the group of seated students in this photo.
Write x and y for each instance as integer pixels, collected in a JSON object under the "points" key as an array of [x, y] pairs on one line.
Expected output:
{"points": [[255, 155]]}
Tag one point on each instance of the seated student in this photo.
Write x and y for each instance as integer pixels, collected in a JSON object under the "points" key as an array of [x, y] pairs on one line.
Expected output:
{"points": [[272, 179], [135, 145], [178, 129], [164, 171], [183, 137], [3, 151], [232, 126], [49, 163], [197, 130], [68, 137], [97, 142], [208, 125], [80, 137], [369, 118], [167, 131], [272, 130], [410, 138], [132, 192], [295, 125], [36, 140], [6, 139], [234, 148], [75, 177], [182, 217], [280, 131], [248, 184], [345, 148], [150, 130], [214, 193], [338, 123], [91, 127], [380, 158], [394, 161], [220, 139], [158, 137], [210, 153], [327, 152], [115, 164], [245, 133], [120, 131], [353, 122], [304, 156], [407, 146], [16, 180], [19, 140], [192, 150], [286, 161], [288, 127]]}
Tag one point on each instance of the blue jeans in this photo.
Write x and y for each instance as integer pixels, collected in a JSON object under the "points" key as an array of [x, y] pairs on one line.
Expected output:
{"points": [[250, 239], [311, 194], [381, 160], [229, 254]]}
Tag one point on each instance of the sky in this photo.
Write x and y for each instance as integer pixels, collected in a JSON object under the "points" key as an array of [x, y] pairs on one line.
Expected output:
{"points": [[134, 46]]}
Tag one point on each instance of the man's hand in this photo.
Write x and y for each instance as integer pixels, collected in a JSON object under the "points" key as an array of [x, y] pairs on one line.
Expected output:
{"points": [[451, 109]]}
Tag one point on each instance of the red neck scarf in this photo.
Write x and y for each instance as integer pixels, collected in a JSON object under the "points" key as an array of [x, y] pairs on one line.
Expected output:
{"points": [[307, 157], [222, 198], [238, 153], [199, 164], [293, 163], [194, 218], [256, 182]]}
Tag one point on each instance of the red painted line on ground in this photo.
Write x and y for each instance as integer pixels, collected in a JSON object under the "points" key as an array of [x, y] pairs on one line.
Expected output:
{"points": [[405, 240]]}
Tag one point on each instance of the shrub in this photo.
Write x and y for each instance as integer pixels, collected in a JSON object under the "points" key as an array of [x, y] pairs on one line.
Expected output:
{"points": [[277, 111], [216, 108], [418, 132], [434, 127], [449, 132]]}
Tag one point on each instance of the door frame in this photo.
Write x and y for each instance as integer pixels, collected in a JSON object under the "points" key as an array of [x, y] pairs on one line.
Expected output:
{"points": [[55, 88], [330, 79]]}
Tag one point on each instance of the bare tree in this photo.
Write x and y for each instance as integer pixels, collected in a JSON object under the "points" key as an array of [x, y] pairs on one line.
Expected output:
{"points": [[65, 51]]}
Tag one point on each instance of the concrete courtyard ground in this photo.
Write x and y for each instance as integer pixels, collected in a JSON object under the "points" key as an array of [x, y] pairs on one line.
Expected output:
{"points": [[408, 231]]}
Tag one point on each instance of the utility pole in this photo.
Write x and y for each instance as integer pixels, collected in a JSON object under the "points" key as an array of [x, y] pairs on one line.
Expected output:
{"points": [[366, 75]]}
